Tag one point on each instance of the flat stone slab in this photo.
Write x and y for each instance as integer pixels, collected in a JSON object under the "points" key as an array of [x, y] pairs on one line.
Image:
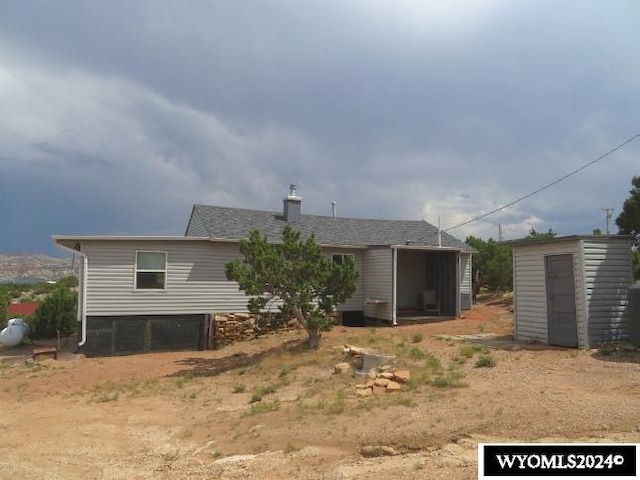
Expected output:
{"points": [[491, 340], [235, 459]]}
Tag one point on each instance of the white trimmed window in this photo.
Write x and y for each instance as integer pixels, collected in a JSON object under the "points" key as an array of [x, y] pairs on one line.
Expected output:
{"points": [[151, 270], [339, 258]]}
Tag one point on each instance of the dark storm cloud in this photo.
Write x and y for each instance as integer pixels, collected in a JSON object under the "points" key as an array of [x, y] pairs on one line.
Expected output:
{"points": [[419, 108]]}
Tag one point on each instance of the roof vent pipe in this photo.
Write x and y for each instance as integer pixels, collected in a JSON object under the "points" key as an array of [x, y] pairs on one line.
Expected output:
{"points": [[439, 233], [333, 209], [292, 212]]}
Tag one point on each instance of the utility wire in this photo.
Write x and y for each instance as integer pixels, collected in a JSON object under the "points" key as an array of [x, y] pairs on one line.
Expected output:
{"points": [[582, 229], [555, 182]]}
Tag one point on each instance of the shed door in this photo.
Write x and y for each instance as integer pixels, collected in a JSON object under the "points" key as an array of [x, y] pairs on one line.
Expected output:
{"points": [[561, 301]]}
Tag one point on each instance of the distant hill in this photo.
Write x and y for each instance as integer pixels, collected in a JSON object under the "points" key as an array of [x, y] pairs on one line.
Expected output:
{"points": [[32, 268]]}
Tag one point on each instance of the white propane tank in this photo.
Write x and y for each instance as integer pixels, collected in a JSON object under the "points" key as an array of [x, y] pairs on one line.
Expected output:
{"points": [[12, 336], [18, 322]]}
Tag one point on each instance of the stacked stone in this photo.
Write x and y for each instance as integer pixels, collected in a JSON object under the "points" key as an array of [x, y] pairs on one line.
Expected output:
{"points": [[228, 328], [382, 380]]}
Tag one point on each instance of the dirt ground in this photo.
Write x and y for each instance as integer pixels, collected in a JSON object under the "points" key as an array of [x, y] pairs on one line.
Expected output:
{"points": [[191, 414]]}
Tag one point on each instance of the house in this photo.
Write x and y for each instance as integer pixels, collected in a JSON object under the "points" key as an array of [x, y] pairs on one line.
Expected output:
{"points": [[572, 291], [21, 309], [155, 293]]}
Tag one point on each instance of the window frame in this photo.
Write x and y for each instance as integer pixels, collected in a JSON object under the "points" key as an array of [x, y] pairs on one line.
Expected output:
{"points": [[342, 257], [137, 270]]}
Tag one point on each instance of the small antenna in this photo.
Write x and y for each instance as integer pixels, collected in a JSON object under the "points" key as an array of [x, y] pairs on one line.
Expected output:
{"points": [[439, 233], [609, 212]]}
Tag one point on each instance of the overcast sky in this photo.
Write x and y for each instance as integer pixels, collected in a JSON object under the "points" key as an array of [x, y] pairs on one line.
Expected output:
{"points": [[117, 116]]}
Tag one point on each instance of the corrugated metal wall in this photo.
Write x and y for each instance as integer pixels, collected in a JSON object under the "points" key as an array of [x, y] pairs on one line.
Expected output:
{"points": [[530, 302], [602, 274], [466, 288], [608, 276]]}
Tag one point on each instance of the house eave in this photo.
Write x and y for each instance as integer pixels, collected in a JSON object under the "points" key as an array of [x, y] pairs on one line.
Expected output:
{"points": [[433, 248], [124, 238]]}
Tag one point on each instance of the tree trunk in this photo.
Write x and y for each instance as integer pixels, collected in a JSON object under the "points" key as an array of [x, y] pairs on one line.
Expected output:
{"points": [[312, 331], [300, 316], [314, 339], [477, 278]]}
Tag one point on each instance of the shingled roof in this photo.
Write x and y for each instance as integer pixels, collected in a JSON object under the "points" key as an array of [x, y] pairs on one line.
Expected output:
{"points": [[235, 223]]}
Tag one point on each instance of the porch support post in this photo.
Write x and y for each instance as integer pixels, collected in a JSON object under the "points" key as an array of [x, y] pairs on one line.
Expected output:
{"points": [[458, 280], [394, 283]]}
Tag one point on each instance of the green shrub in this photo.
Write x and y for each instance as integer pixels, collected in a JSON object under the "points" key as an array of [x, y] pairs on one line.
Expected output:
{"points": [[486, 361], [261, 392], [258, 408], [433, 362], [451, 379], [284, 371], [418, 337], [469, 350], [338, 404], [4, 303], [56, 313], [607, 349], [417, 352]]}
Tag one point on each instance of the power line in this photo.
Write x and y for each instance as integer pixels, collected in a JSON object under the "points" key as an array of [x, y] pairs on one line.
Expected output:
{"points": [[555, 182], [582, 229]]}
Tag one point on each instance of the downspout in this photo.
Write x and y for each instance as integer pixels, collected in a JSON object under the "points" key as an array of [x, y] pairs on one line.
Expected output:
{"points": [[458, 289], [82, 302], [83, 313], [394, 281], [515, 293]]}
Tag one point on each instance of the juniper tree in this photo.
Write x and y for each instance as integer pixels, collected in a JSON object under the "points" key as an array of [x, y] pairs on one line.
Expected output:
{"points": [[57, 313], [629, 219], [297, 273]]}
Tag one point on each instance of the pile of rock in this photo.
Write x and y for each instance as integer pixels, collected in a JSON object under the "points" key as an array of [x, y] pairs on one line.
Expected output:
{"points": [[382, 380], [373, 367], [227, 328]]}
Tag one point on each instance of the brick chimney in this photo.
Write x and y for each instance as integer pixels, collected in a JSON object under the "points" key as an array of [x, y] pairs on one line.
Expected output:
{"points": [[292, 205]]}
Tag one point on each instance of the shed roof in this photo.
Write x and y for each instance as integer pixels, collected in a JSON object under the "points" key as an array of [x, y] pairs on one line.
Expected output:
{"points": [[522, 242], [236, 223]]}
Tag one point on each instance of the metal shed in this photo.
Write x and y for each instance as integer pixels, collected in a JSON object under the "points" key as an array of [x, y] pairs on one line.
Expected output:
{"points": [[572, 291]]}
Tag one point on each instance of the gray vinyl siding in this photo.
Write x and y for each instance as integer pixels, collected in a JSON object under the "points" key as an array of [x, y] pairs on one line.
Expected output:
{"points": [[530, 303], [378, 283], [356, 302], [607, 277], [466, 289], [196, 227], [196, 281]]}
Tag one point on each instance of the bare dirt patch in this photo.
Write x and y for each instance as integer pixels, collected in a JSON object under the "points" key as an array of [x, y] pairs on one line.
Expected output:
{"points": [[271, 409]]}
